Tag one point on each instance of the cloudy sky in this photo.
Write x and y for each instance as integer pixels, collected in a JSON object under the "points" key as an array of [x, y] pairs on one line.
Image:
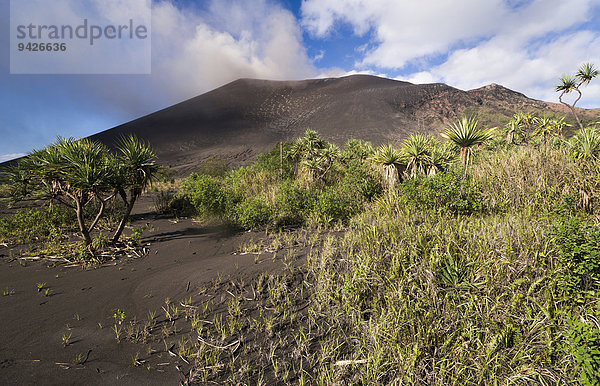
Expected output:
{"points": [[198, 45]]}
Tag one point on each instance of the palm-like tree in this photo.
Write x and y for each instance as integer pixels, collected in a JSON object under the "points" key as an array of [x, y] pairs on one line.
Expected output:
{"points": [[308, 146], [526, 123], [465, 135], [78, 170], [356, 149], [389, 159], [586, 73], [544, 127], [314, 154], [19, 177], [569, 83], [417, 154], [441, 156], [519, 127], [559, 125], [137, 168], [512, 131]]}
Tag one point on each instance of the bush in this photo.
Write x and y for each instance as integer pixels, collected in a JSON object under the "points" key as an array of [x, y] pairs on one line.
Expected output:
{"points": [[251, 213], [360, 180], [293, 204], [205, 194], [578, 246], [30, 225], [163, 201], [583, 343], [334, 205], [271, 161], [248, 182], [451, 192]]}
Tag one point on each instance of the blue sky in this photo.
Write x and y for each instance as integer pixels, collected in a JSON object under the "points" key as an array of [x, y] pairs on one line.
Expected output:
{"points": [[200, 45]]}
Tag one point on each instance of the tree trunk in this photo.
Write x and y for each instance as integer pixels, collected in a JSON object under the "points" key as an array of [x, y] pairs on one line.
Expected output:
{"points": [[100, 212], [81, 221], [572, 107], [125, 218], [464, 156], [390, 175]]}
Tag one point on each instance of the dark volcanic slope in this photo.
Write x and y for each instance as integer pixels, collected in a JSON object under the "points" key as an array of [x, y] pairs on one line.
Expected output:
{"points": [[249, 116]]}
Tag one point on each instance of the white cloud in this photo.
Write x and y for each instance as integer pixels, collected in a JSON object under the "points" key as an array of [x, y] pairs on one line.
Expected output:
{"points": [[8, 157], [478, 42], [319, 56], [93, 54], [235, 39], [336, 72], [420, 78], [196, 50], [534, 72]]}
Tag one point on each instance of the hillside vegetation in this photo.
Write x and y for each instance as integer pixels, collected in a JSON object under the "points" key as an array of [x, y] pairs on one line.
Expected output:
{"points": [[469, 266], [473, 260]]}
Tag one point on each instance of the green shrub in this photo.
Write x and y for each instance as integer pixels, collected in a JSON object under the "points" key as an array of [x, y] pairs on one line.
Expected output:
{"points": [[360, 180], [163, 201], [583, 343], [566, 204], [578, 246], [450, 192], [205, 194], [180, 205], [30, 225], [101, 241], [272, 162], [293, 204], [249, 182], [334, 205], [251, 213]]}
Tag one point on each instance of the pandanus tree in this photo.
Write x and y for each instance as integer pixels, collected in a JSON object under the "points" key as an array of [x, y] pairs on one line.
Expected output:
{"points": [[136, 168], [78, 173], [572, 83], [512, 132], [356, 149], [519, 127], [417, 154], [75, 173], [465, 135], [308, 146], [315, 155], [546, 127], [442, 155], [389, 159], [20, 178]]}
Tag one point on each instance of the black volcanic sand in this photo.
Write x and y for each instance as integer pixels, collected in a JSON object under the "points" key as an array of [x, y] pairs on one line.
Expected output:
{"points": [[32, 325]]}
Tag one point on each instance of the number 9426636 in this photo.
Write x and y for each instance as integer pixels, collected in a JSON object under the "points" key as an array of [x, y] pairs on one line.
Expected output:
{"points": [[42, 47]]}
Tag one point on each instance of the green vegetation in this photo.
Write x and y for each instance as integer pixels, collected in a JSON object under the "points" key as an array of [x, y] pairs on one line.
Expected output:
{"points": [[465, 135], [472, 276], [80, 181], [470, 261], [572, 83], [310, 182]]}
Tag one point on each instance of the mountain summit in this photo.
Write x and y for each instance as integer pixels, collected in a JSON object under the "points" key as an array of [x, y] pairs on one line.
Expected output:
{"points": [[249, 116]]}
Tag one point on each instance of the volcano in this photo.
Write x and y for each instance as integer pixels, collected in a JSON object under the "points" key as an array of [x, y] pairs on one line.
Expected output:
{"points": [[249, 116]]}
